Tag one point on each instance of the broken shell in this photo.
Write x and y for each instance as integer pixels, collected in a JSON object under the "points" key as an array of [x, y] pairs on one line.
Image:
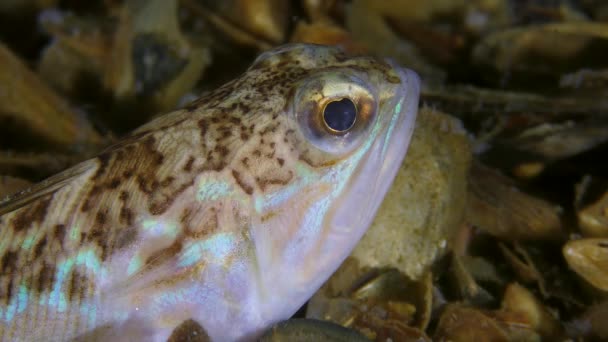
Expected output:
{"points": [[591, 325], [524, 133], [132, 69], [460, 323], [521, 262], [437, 45], [404, 297], [464, 276], [589, 259], [518, 299], [592, 207], [558, 140], [263, 18], [79, 51], [422, 24], [257, 23], [496, 206], [542, 52], [325, 33], [537, 265], [379, 303], [366, 22], [303, 330], [30, 107], [319, 9], [476, 105], [151, 57]]}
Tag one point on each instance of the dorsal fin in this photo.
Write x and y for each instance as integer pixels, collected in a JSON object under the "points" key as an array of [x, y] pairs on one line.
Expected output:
{"points": [[44, 188]]}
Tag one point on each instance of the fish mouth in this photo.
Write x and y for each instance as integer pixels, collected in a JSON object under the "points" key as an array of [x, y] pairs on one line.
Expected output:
{"points": [[396, 141], [380, 165]]}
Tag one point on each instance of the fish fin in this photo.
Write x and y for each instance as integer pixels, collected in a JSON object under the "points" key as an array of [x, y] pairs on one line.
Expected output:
{"points": [[190, 254], [153, 273], [44, 188]]}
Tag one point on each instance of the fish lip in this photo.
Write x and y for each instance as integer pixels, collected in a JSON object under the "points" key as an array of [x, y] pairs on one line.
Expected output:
{"points": [[389, 150], [408, 92], [395, 143]]}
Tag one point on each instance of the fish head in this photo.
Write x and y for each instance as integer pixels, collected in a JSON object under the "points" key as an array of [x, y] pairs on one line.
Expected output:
{"points": [[230, 212], [346, 123]]}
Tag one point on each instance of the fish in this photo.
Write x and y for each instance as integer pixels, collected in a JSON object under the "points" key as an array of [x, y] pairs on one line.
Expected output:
{"points": [[217, 219]]}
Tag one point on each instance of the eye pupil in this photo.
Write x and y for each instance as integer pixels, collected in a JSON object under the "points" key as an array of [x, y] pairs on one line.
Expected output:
{"points": [[340, 115]]}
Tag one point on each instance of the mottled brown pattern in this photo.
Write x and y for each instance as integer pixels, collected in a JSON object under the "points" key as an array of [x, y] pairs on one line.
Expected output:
{"points": [[239, 130], [188, 166], [34, 213], [39, 247], [126, 216], [125, 237], [165, 254], [194, 228], [246, 187], [265, 182], [8, 266], [80, 286], [8, 262], [58, 233], [6, 289], [45, 278]]}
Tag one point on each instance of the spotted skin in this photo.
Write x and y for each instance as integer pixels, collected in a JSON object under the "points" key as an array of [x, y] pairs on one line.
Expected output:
{"points": [[184, 219]]}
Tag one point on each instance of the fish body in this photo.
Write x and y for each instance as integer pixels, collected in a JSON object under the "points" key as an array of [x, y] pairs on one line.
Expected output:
{"points": [[227, 214]]}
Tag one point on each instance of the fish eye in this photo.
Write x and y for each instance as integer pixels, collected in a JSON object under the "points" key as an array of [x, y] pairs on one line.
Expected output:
{"points": [[339, 116], [335, 109]]}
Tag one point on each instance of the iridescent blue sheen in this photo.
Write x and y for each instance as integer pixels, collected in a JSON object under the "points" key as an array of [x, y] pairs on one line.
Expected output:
{"points": [[17, 305], [215, 249], [57, 298], [28, 242], [90, 259], [135, 265], [74, 234], [160, 228], [213, 190], [89, 313]]}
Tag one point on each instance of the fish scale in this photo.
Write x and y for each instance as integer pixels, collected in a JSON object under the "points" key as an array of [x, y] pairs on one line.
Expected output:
{"points": [[227, 214]]}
